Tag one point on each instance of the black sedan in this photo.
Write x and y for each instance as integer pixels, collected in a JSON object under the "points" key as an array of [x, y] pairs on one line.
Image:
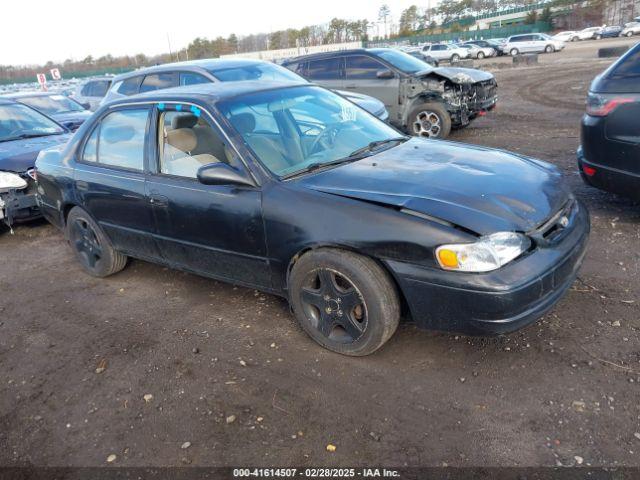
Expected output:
{"points": [[64, 110], [609, 156], [24, 132], [293, 190]]}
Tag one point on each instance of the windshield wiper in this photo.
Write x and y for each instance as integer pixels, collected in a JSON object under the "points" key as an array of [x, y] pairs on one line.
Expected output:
{"points": [[358, 154], [374, 145], [24, 136]]}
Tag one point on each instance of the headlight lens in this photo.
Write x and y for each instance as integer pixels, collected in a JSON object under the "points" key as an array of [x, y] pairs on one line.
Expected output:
{"points": [[10, 180], [488, 253]]}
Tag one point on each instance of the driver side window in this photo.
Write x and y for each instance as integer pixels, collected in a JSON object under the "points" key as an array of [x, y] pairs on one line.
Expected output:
{"points": [[360, 67], [187, 142]]}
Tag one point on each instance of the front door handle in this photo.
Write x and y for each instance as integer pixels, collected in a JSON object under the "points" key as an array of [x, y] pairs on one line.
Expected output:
{"points": [[82, 185], [352, 86], [159, 200]]}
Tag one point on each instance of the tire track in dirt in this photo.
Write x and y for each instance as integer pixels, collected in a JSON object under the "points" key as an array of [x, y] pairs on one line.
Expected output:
{"points": [[541, 90]]}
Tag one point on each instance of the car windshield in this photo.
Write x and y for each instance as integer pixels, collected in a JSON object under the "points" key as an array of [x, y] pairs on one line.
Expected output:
{"points": [[52, 104], [298, 129], [258, 71], [402, 61], [20, 121]]}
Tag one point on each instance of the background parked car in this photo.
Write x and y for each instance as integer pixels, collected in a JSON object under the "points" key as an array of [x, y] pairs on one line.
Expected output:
{"points": [[442, 52], [92, 91], [611, 31], [476, 51], [64, 110], [531, 43], [631, 29], [567, 36], [489, 49], [181, 74], [590, 33], [24, 132], [424, 102], [609, 156], [425, 58]]}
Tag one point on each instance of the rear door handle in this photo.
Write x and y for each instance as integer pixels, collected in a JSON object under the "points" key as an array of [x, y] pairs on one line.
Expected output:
{"points": [[159, 200], [351, 86]]}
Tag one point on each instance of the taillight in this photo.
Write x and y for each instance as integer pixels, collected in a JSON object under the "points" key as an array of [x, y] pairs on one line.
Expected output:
{"points": [[601, 106], [588, 171]]}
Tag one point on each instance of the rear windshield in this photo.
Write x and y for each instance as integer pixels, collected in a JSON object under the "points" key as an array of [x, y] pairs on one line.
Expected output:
{"points": [[52, 104], [258, 71], [629, 65]]}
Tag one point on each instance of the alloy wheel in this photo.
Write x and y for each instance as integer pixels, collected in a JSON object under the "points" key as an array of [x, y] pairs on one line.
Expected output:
{"points": [[334, 306], [86, 243], [427, 124]]}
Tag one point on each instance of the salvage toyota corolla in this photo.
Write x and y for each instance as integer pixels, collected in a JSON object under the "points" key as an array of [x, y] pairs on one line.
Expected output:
{"points": [[296, 191]]}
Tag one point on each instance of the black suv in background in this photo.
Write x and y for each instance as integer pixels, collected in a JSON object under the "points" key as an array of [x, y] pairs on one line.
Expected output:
{"points": [[609, 157]]}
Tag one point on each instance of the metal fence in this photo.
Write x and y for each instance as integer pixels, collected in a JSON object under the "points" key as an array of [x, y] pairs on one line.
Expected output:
{"points": [[500, 32]]}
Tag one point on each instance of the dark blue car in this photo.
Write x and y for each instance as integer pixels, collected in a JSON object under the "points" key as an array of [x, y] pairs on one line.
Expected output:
{"points": [[24, 132], [64, 110], [611, 31], [294, 190]]}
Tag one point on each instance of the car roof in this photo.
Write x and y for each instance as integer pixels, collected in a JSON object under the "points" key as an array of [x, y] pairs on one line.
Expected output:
{"points": [[192, 65], [211, 92], [6, 101], [316, 56]]}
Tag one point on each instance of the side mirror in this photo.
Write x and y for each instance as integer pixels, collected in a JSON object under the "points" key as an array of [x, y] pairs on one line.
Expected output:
{"points": [[222, 174], [86, 105], [385, 74]]}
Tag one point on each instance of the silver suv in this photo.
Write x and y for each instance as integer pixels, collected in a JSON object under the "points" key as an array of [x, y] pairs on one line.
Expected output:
{"points": [[421, 100], [92, 91], [183, 74]]}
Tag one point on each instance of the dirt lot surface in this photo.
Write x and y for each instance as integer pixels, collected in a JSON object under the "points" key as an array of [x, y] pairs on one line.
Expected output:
{"points": [[186, 359]]}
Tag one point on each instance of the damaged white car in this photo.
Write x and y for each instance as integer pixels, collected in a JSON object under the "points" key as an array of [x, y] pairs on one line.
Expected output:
{"points": [[24, 132]]}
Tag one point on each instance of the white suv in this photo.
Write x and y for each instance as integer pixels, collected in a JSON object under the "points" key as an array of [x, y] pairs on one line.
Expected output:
{"points": [[631, 29], [590, 33], [441, 51], [531, 43]]}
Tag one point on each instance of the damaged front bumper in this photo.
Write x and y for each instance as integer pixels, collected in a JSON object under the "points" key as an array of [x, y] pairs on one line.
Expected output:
{"points": [[467, 101], [18, 201]]}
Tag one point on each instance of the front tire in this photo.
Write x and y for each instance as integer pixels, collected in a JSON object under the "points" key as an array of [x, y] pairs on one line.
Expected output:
{"points": [[598, 37], [549, 49], [513, 52], [430, 120], [344, 301], [629, 34], [455, 58], [480, 55], [91, 246]]}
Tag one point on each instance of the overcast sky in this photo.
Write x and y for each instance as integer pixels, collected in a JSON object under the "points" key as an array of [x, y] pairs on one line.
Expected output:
{"points": [[37, 31]]}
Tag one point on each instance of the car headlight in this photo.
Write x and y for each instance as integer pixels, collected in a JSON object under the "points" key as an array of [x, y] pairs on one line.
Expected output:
{"points": [[10, 180], [488, 253]]}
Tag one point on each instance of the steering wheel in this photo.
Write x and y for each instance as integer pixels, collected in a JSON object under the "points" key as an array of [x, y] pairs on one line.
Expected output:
{"points": [[325, 139]]}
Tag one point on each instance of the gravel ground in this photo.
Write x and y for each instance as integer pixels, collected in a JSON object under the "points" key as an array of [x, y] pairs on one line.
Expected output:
{"points": [[140, 363]]}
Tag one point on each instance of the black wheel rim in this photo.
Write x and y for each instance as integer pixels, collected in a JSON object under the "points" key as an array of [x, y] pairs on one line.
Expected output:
{"points": [[334, 306], [86, 243]]}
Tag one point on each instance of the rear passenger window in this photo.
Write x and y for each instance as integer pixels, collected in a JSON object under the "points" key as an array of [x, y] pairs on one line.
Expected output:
{"points": [[119, 140], [326, 69], [361, 67], [158, 81], [130, 86], [189, 78]]}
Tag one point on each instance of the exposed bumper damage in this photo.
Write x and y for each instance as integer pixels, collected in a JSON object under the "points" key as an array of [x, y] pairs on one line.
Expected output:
{"points": [[18, 201], [466, 93]]}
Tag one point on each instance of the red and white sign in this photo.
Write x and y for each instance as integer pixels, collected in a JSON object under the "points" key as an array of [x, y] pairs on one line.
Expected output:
{"points": [[42, 80], [55, 74]]}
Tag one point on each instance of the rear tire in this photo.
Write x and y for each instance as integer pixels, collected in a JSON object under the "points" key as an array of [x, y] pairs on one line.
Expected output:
{"points": [[598, 37], [629, 34], [549, 49], [480, 55], [455, 58], [92, 247], [430, 120], [344, 301]]}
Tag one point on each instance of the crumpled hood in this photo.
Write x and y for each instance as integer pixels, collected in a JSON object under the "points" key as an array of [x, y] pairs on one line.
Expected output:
{"points": [[461, 75], [481, 189], [20, 155]]}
